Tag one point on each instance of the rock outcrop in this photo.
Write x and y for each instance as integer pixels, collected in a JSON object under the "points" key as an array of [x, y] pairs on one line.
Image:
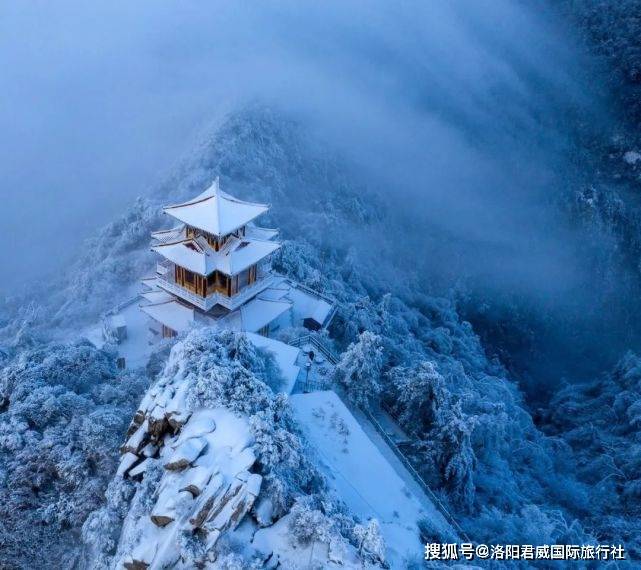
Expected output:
{"points": [[189, 491], [206, 486]]}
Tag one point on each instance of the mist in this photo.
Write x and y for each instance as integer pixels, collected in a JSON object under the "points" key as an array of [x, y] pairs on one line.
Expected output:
{"points": [[458, 115]]}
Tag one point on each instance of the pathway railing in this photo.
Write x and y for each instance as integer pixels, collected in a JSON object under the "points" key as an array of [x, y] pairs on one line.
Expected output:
{"points": [[317, 344], [315, 293], [331, 357], [416, 476]]}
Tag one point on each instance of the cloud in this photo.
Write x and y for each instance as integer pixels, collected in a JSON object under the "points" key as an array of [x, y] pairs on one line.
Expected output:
{"points": [[453, 109]]}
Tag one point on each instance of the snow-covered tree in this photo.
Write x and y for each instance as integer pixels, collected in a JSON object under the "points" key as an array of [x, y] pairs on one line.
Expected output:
{"points": [[600, 421], [455, 456], [64, 410], [309, 524], [359, 369], [419, 395], [490, 443], [282, 456], [371, 544]]}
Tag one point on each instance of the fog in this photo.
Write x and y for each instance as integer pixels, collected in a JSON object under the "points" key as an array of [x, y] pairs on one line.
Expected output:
{"points": [[456, 112]]}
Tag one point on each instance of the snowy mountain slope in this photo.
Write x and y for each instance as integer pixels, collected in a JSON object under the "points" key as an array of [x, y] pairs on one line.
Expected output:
{"points": [[473, 437], [362, 476]]}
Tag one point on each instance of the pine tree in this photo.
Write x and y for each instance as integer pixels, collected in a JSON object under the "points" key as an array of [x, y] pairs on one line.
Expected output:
{"points": [[359, 369], [455, 455], [421, 397]]}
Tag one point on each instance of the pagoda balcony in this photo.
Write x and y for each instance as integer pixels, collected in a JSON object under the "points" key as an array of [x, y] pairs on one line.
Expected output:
{"points": [[166, 281]]}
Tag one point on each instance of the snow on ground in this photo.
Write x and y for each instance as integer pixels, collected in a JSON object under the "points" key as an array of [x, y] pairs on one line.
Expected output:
{"points": [[314, 374], [362, 476], [136, 348]]}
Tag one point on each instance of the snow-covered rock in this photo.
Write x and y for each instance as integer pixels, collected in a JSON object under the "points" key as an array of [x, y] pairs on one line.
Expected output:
{"points": [[205, 485]]}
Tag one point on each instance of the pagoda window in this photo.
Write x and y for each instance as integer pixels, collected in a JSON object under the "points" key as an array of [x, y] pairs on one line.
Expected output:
{"points": [[200, 286], [216, 242], [168, 332], [184, 278], [252, 274], [217, 283], [191, 281], [234, 285], [243, 279]]}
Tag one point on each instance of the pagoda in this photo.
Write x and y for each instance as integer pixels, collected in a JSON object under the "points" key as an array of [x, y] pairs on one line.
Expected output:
{"points": [[216, 269]]}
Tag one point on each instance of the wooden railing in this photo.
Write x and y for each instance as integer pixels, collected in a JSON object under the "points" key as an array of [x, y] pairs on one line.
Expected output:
{"points": [[167, 282]]}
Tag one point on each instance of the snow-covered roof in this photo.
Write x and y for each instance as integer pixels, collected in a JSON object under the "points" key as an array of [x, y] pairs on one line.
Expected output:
{"points": [[172, 314], [253, 231], [216, 212], [310, 306], [166, 236], [260, 312], [180, 233], [254, 315], [149, 283], [245, 253], [277, 292], [198, 256], [156, 296]]}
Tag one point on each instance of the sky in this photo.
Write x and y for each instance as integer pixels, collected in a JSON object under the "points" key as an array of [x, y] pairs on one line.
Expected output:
{"points": [[97, 104], [451, 105]]}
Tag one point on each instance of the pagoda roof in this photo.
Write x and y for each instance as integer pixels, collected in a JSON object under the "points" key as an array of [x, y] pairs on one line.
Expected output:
{"points": [[216, 212], [196, 255], [166, 236], [308, 304], [256, 232]]}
